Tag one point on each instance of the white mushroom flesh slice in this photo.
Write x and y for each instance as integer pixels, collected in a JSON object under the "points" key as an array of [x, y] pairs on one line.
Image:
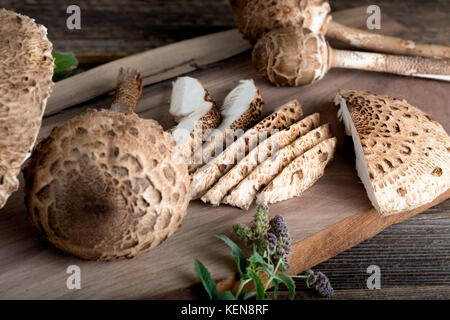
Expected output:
{"points": [[265, 150], [196, 114], [26, 70], [188, 104], [402, 154], [241, 109], [300, 174], [244, 193], [207, 175]]}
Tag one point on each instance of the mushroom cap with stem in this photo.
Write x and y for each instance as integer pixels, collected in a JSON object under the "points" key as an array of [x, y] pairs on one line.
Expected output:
{"points": [[296, 56], [106, 185], [26, 70], [254, 18], [291, 56]]}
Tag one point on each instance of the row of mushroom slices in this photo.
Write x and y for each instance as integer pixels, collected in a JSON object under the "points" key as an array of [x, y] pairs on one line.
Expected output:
{"points": [[402, 154], [275, 159]]}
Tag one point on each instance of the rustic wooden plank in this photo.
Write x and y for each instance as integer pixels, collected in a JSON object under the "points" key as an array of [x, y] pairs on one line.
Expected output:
{"points": [[166, 62], [154, 65], [400, 293]]}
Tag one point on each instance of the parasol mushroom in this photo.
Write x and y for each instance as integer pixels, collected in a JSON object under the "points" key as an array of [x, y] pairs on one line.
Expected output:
{"points": [[107, 185], [26, 70], [402, 154], [256, 17], [296, 56]]}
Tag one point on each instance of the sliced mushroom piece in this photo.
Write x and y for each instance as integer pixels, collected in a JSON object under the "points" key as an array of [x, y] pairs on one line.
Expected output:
{"points": [[207, 175], [254, 18], [297, 56], [196, 114], [26, 70], [402, 154], [265, 150], [244, 193], [300, 174], [106, 185], [241, 108]]}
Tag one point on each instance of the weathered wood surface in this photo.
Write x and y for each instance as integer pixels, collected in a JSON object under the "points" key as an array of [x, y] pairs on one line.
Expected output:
{"points": [[154, 66], [115, 29], [31, 268]]}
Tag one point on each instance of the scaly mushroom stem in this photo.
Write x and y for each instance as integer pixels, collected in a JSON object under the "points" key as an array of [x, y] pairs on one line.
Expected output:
{"points": [[382, 43], [437, 69], [128, 91]]}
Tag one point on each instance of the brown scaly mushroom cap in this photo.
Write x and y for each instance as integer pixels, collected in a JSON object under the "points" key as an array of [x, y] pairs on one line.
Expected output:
{"points": [[254, 18], [291, 56], [402, 154], [105, 185], [26, 70]]}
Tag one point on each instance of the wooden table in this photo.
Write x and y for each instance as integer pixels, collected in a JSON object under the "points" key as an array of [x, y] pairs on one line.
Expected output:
{"points": [[413, 256]]}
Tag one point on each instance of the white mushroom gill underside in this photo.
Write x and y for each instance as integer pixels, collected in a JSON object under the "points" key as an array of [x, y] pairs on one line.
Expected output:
{"points": [[361, 166], [188, 104], [237, 102]]}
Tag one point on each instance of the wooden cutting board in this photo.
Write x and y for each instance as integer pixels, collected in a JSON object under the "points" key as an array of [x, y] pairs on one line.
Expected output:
{"points": [[330, 217]]}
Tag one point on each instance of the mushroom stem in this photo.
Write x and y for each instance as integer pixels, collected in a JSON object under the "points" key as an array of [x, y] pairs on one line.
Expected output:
{"points": [[128, 91], [437, 69], [382, 43]]}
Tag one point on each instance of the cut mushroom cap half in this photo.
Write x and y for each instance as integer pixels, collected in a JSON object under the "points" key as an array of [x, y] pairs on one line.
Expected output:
{"points": [[26, 70], [106, 185], [402, 154]]}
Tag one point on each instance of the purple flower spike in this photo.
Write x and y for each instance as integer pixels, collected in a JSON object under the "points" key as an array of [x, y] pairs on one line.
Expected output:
{"points": [[320, 282], [280, 230], [270, 242]]}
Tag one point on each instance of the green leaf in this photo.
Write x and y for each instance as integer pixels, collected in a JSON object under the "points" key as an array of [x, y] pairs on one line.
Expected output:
{"points": [[256, 258], [207, 281], [244, 295], [227, 295], [289, 282], [65, 65], [64, 61], [275, 288], [259, 285], [237, 253], [258, 263], [249, 295]]}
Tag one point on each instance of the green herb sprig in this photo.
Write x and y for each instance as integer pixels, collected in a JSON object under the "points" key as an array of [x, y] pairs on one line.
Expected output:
{"points": [[66, 65], [271, 245]]}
